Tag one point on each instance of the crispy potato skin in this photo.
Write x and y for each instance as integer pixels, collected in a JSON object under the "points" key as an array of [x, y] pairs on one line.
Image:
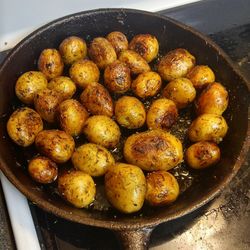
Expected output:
{"points": [[202, 155], [213, 100], [117, 77], [43, 170], [153, 150], [125, 187], [23, 126], [72, 116], [130, 112], [84, 72], [50, 63], [208, 127], [162, 188], [77, 187], [102, 130], [28, 84], [118, 40], [180, 91], [55, 144], [175, 64], [147, 84], [72, 49], [162, 114], [92, 159], [97, 100]]}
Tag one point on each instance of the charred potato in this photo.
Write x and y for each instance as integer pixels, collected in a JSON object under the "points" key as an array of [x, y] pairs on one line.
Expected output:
{"points": [[92, 159], [118, 40], [23, 126], [153, 150], [125, 187]]}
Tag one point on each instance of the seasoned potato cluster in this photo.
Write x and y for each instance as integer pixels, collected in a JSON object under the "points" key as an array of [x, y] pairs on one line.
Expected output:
{"points": [[107, 111]]}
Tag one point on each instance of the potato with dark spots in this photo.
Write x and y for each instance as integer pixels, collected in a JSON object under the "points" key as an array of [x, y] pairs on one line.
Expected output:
{"points": [[202, 155], [153, 150], [97, 100], [43, 170], [125, 187], [23, 126], [162, 114], [118, 40], [162, 188]]}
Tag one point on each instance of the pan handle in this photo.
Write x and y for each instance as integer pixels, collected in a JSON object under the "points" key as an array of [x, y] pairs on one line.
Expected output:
{"points": [[134, 239]]}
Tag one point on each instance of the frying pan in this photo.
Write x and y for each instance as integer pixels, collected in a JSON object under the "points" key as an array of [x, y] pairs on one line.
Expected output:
{"points": [[133, 230]]}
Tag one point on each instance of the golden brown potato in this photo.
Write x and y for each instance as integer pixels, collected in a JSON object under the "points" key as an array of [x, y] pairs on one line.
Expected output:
{"points": [[55, 144], [145, 45], [202, 155], [23, 126], [162, 114], [181, 91], [146, 84], [28, 84], [102, 130], [64, 85], [118, 40], [77, 188], [175, 64], [201, 76], [162, 188], [92, 159], [135, 62], [153, 150], [72, 116], [130, 112], [102, 52], [97, 100], [213, 100], [117, 77], [125, 187], [72, 49], [84, 72], [50, 63], [42, 170], [46, 102], [208, 127]]}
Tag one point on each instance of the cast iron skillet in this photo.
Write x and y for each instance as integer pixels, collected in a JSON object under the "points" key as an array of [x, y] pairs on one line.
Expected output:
{"points": [[134, 231]]}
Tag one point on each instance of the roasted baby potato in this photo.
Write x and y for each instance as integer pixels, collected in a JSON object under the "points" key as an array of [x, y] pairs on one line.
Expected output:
{"points": [[50, 63], [28, 84], [208, 127], [145, 45], [125, 187], [72, 116], [92, 159], [84, 72], [162, 188], [42, 170], [175, 64], [181, 91], [130, 112], [77, 187], [202, 155], [55, 144], [64, 85], [162, 114], [23, 126], [102, 130], [72, 49], [153, 150], [118, 40], [135, 62], [102, 52], [117, 77], [97, 100], [201, 76], [213, 100]]}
